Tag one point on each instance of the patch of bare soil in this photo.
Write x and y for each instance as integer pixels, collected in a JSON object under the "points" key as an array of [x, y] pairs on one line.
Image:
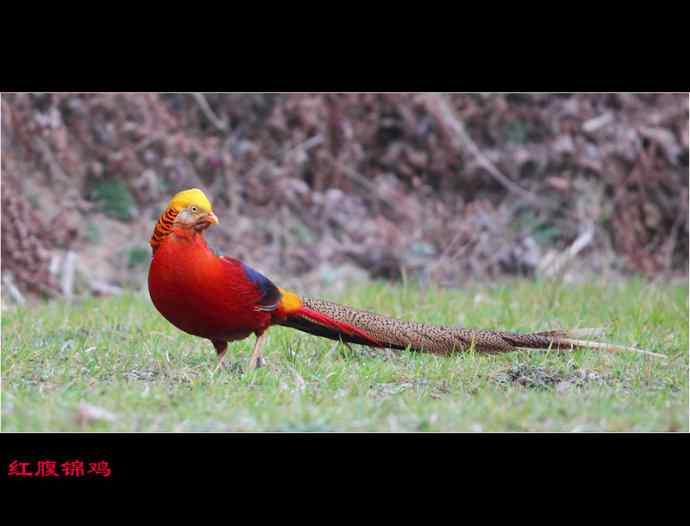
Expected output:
{"points": [[547, 378]]}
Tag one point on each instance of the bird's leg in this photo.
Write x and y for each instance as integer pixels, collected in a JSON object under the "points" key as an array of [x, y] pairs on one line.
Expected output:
{"points": [[221, 346], [256, 360]]}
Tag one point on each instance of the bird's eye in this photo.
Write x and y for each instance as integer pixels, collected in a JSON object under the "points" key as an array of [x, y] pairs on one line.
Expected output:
{"points": [[195, 209]]}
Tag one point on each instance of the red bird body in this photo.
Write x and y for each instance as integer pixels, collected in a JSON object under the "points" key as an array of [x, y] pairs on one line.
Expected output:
{"points": [[218, 297], [203, 294]]}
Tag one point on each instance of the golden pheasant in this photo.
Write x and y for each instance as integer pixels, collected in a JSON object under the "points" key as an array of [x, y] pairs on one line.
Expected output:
{"points": [[223, 299]]}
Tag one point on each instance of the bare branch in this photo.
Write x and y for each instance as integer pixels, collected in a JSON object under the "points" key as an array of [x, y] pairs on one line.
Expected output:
{"points": [[220, 124], [439, 107]]}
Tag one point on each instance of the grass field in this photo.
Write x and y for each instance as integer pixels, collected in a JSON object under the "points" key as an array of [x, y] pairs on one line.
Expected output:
{"points": [[121, 356]]}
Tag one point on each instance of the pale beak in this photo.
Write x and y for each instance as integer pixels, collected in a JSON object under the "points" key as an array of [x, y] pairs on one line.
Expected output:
{"points": [[212, 218]]}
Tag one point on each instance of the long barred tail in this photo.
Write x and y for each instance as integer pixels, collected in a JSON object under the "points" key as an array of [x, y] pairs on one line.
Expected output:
{"points": [[339, 322]]}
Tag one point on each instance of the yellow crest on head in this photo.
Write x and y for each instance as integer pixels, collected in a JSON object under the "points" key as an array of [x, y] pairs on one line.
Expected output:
{"points": [[191, 197]]}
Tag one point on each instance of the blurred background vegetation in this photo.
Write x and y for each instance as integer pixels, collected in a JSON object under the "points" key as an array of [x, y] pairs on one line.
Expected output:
{"points": [[319, 189]]}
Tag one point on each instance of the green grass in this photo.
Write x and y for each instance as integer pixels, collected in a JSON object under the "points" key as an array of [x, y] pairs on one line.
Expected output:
{"points": [[120, 355]]}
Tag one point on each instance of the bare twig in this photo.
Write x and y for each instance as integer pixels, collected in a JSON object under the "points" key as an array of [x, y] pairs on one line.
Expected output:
{"points": [[306, 145], [439, 107], [101, 288], [287, 154], [598, 122], [8, 282], [220, 124], [67, 278], [550, 266], [56, 169]]}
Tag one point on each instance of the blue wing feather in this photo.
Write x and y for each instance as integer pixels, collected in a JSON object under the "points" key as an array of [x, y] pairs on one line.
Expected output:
{"points": [[270, 295]]}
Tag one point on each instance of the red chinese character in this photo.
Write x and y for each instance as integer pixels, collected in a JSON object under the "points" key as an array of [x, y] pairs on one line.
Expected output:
{"points": [[46, 468], [73, 468], [18, 469], [99, 468]]}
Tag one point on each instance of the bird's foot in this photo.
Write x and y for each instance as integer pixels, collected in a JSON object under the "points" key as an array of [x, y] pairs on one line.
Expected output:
{"points": [[255, 362]]}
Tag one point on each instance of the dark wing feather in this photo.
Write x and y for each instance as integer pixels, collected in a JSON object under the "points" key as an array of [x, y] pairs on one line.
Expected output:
{"points": [[270, 295]]}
